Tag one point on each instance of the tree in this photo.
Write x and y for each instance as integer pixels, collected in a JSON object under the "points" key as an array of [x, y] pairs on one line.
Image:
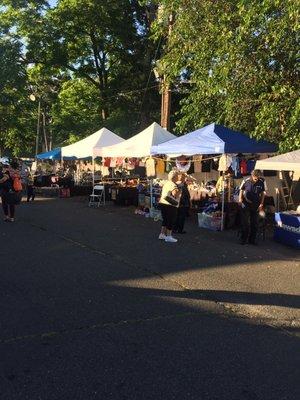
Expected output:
{"points": [[241, 61], [104, 49]]}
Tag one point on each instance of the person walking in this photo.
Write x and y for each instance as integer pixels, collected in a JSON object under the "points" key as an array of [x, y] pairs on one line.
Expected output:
{"points": [[169, 203], [251, 201], [184, 205]]}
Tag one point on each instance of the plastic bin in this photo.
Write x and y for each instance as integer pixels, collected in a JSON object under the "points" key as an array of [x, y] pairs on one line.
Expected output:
{"points": [[209, 221]]}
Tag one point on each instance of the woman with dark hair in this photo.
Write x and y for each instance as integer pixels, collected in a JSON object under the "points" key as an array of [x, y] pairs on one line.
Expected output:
{"points": [[8, 192]]}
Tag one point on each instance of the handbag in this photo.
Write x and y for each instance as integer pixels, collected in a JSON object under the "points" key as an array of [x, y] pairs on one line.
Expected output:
{"points": [[171, 200]]}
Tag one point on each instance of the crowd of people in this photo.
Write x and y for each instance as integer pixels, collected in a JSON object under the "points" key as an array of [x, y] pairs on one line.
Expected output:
{"points": [[175, 203]]}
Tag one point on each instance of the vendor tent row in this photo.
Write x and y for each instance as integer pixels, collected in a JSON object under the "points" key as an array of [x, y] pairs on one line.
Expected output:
{"points": [[154, 140], [105, 143]]}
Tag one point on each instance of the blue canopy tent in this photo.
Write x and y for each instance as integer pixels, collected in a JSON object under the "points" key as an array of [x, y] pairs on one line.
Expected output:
{"points": [[213, 139], [54, 154]]}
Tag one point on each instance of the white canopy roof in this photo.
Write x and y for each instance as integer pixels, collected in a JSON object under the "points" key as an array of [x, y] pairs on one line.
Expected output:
{"points": [[213, 139], [200, 141], [283, 162], [85, 147], [138, 145]]}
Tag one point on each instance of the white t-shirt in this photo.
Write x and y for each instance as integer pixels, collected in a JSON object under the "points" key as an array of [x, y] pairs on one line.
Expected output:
{"points": [[168, 187]]}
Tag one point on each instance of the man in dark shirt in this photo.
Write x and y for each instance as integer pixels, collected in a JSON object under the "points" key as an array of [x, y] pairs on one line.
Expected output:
{"points": [[251, 200]]}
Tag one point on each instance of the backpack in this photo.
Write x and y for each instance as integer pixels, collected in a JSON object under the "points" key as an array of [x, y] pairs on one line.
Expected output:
{"points": [[16, 181]]}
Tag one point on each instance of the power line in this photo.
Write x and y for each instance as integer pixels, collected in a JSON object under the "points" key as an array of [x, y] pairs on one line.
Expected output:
{"points": [[133, 91], [148, 81]]}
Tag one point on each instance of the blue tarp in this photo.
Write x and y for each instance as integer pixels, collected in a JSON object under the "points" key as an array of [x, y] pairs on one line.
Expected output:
{"points": [[213, 139], [54, 154]]}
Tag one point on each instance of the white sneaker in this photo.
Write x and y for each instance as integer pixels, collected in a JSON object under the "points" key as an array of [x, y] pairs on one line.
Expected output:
{"points": [[170, 239], [162, 236]]}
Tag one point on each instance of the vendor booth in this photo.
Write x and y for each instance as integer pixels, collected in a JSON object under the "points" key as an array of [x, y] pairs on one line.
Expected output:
{"points": [[137, 146], [221, 149], [71, 167], [132, 166], [85, 148], [287, 228]]}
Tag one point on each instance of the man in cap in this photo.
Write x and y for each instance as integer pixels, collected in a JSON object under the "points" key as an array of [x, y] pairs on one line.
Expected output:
{"points": [[251, 200]]}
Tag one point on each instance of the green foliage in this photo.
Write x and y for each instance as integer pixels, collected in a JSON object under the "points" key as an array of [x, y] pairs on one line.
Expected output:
{"points": [[87, 62], [76, 112], [241, 59]]}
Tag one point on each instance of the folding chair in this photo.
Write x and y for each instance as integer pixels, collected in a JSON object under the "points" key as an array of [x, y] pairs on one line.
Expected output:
{"points": [[97, 198]]}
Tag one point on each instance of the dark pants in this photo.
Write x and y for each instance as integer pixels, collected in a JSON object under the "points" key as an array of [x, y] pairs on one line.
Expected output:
{"points": [[249, 222], [181, 215], [169, 215], [30, 192], [8, 209]]}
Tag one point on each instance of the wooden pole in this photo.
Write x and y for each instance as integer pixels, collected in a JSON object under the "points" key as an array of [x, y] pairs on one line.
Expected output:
{"points": [[38, 129]]}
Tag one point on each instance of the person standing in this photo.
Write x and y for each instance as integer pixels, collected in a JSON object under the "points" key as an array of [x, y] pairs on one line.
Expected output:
{"points": [[169, 203], [251, 200], [184, 205], [6, 190], [30, 187]]}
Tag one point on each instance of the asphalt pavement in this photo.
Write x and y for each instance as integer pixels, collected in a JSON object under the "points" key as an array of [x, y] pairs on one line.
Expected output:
{"points": [[93, 306]]}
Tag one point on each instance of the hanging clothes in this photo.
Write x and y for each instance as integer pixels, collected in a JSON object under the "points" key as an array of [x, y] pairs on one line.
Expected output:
{"points": [[243, 167], [250, 165], [119, 161], [160, 166], [150, 167], [104, 171], [235, 165], [224, 162], [107, 162], [197, 164], [113, 162]]}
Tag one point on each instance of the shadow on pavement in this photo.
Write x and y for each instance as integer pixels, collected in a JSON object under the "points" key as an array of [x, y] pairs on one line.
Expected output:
{"points": [[92, 306]]}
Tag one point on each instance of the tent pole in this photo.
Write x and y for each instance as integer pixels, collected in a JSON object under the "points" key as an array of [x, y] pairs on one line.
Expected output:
{"points": [[223, 203], [93, 163], [151, 194]]}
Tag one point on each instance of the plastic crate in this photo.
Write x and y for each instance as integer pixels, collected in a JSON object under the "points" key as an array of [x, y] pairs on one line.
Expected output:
{"points": [[209, 221]]}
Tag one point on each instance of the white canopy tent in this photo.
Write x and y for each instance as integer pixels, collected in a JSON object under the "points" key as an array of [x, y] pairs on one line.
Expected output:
{"points": [[288, 162], [213, 139], [283, 162], [199, 141], [138, 145], [85, 148]]}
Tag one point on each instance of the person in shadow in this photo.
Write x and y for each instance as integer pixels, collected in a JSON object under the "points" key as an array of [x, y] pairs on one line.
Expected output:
{"points": [[184, 204]]}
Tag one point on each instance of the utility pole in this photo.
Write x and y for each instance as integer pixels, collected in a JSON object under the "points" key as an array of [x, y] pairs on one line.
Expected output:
{"points": [[44, 131], [165, 105], [166, 90], [38, 128]]}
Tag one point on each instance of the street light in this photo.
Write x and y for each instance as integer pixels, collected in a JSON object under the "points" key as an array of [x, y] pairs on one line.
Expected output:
{"points": [[33, 98]]}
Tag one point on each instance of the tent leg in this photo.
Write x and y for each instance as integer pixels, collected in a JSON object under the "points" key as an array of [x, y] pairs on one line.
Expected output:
{"points": [[93, 177], [151, 194], [223, 204]]}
